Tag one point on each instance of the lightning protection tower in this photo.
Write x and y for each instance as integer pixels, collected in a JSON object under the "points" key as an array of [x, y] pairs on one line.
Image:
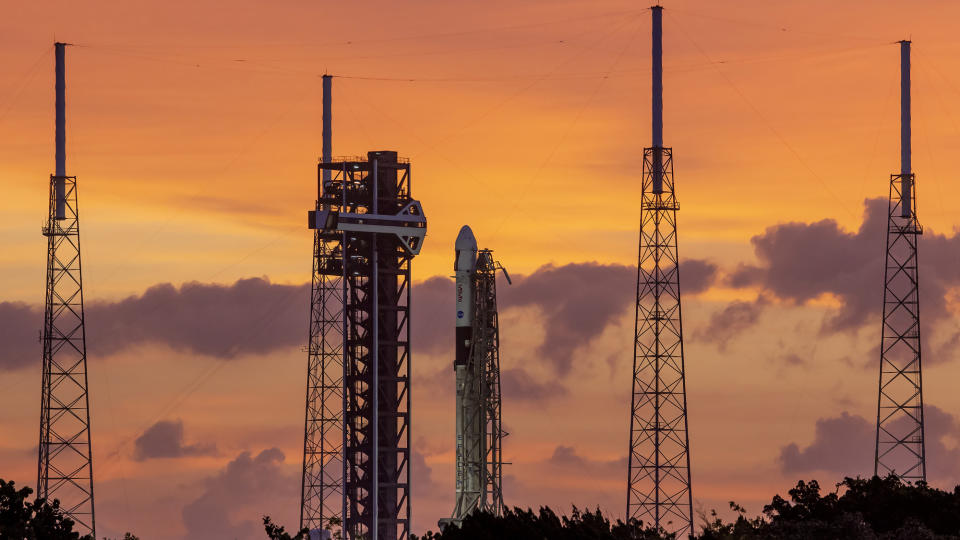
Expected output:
{"points": [[900, 441], [65, 465], [658, 484], [479, 427], [356, 467]]}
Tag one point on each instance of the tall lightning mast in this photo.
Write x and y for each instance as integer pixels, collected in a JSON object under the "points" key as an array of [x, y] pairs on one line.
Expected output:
{"points": [[65, 467], [658, 483], [900, 435], [322, 495], [479, 426], [368, 229]]}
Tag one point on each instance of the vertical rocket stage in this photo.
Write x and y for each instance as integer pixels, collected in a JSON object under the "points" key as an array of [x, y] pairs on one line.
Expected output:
{"points": [[476, 367], [464, 267]]}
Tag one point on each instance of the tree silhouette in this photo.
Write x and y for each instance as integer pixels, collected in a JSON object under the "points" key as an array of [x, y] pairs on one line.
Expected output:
{"points": [[35, 520]]}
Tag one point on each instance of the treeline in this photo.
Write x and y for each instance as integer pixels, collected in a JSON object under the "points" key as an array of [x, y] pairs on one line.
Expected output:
{"points": [[857, 509]]}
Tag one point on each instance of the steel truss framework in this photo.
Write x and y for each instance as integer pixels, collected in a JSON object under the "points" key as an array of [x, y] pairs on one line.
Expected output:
{"points": [[658, 490], [484, 455], [65, 466], [356, 474], [900, 435]]}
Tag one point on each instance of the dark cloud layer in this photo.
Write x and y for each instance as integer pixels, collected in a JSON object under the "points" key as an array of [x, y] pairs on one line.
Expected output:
{"points": [[844, 445], [566, 457], [255, 316], [433, 315], [223, 321], [20, 326], [578, 301], [165, 440], [520, 386], [251, 316], [803, 261], [731, 321]]}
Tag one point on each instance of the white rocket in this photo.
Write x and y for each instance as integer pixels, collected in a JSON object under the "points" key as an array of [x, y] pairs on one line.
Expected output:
{"points": [[464, 266]]}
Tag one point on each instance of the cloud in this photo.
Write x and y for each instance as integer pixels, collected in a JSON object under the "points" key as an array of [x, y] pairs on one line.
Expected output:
{"points": [[803, 261], [421, 475], [577, 302], [842, 445], [567, 458], [518, 385], [735, 318], [800, 262], [255, 316], [251, 316], [696, 275], [20, 326], [845, 445], [165, 440], [433, 315], [246, 481]]}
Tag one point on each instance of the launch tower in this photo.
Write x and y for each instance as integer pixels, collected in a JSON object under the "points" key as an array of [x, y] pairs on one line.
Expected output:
{"points": [[658, 484], [65, 467], [900, 442], [368, 228]]}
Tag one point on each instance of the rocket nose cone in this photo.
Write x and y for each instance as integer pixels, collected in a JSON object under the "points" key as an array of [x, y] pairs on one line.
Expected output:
{"points": [[465, 240]]}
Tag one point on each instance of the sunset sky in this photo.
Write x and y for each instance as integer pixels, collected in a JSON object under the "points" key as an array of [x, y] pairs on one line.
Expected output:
{"points": [[194, 131]]}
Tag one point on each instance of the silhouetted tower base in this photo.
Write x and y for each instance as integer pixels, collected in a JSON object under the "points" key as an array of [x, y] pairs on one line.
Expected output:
{"points": [[900, 441], [368, 231], [65, 465], [659, 476]]}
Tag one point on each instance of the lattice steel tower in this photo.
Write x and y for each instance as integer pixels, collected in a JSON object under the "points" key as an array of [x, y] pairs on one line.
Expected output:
{"points": [[658, 485], [356, 477], [900, 441], [65, 465], [479, 426]]}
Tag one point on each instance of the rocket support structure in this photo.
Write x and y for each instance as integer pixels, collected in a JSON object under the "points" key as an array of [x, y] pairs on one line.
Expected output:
{"points": [[479, 429], [356, 450]]}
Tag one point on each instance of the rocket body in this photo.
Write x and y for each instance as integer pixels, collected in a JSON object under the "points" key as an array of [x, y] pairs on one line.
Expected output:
{"points": [[464, 267]]}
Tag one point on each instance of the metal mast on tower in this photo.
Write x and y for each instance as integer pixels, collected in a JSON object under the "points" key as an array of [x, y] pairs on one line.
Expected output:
{"points": [[356, 477], [900, 441], [658, 484], [65, 468]]}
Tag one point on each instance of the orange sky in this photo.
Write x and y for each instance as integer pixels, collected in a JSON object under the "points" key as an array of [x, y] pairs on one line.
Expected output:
{"points": [[194, 133]]}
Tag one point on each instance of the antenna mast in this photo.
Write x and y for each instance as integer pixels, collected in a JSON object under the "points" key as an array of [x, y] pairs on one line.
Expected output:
{"points": [[658, 482], [65, 465], [900, 434]]}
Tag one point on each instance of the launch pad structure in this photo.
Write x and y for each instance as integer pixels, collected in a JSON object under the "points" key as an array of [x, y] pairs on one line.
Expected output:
{"points": [[367, 230], [65, 464], [479, 425]]}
